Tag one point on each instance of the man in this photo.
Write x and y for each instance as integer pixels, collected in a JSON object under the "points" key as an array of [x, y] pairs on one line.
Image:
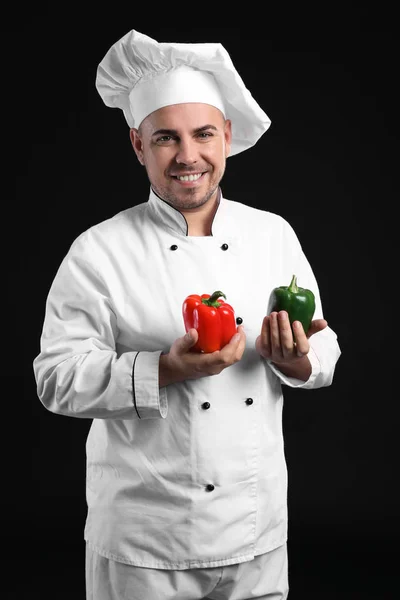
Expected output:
{"points": [[186, 474]]}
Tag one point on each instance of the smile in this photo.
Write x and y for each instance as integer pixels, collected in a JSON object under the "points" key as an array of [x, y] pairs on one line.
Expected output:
{"points": [[193, 177]]}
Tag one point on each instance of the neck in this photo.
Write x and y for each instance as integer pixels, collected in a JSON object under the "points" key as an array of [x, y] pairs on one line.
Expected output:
{"points": [[200, 220]]}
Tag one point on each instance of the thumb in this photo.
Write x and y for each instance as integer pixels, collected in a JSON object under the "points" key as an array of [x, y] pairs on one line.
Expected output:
{"points": [[190, 338], [316, 325]]}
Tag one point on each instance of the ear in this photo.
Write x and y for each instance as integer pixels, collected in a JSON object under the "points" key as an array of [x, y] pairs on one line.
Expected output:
{"points": [[228, 136], [137, 144]]}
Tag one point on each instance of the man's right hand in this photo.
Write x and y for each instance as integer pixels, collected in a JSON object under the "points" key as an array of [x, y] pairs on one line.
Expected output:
{"points": [[181, 363]]}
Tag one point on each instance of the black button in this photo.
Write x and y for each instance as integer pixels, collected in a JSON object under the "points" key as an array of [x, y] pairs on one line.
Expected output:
{"points": [[174, 247], [239, 320], [209, 487], [224, 246], [205, 405], [249, 401]]}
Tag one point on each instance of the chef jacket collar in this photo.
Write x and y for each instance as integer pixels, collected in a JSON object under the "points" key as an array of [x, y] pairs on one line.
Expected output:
{"points": [[169, 217]]}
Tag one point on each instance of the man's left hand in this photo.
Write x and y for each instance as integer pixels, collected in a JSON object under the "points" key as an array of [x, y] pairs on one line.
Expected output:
{"points": [[277, 343]]}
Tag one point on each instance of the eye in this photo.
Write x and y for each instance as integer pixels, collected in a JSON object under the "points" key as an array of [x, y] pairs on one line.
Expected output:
{"points": [[164, 138], [205, 134]]}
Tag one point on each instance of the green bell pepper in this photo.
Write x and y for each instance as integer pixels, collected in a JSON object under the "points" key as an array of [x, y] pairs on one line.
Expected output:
{"points": [[298, 302]]}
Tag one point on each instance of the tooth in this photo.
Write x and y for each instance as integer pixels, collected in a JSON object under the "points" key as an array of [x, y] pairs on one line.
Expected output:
{"points": [[189, 177]]}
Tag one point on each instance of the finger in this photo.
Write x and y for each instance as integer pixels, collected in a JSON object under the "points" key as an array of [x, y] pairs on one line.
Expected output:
{"points": [[302, 345], [275, 340], [285, 334], [234, 341], [263, 345], [265, 333], [242, 342], [233, 350], [267, 347], [237, 343]]}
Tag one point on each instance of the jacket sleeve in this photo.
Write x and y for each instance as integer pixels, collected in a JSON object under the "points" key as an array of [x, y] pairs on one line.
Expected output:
{"points": [[324, 347], [78, 371]]}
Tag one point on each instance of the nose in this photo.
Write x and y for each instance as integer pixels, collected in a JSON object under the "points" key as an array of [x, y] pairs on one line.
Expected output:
{"points": [[187, 152]]}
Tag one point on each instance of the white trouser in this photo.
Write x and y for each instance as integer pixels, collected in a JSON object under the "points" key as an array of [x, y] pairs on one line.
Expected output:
{"points": [[264, 577]]}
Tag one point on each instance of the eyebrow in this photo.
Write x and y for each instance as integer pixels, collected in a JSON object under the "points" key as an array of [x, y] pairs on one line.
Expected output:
{"points": [[175, 132]]}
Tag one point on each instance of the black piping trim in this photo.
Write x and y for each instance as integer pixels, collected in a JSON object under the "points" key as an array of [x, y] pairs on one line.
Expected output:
{"points": [[218, 201], [182, 215], [133, 385], [178, 211]]}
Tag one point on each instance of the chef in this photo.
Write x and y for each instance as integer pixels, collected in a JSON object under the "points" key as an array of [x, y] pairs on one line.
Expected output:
{"points": [[186, 474]]}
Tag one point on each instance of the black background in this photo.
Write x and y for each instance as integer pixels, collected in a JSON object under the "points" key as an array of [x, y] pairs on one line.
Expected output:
{"points": [[328, 165]]}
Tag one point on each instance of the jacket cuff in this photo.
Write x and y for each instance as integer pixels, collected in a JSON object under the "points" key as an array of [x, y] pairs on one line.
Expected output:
{"points": [[149, 401], [299, 383]]}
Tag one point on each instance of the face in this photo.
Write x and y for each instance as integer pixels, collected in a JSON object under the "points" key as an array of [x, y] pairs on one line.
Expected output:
{"points": [[184, 149]]}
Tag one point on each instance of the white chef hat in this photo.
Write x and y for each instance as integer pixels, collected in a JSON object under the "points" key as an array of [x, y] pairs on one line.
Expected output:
{"points": [[140, 75]]}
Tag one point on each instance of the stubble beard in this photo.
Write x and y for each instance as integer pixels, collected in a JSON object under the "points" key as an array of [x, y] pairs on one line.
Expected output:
{"points": [[190, 200]]}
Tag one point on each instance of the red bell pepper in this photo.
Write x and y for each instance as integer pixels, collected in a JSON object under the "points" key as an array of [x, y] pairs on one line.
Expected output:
{"points": [[213, 319]]}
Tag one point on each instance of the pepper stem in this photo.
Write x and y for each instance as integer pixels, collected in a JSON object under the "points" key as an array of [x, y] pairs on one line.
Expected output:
{"points": [[213, 299], [293, 285]]}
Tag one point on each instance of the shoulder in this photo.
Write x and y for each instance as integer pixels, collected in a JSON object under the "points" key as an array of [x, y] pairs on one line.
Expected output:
{"points": [[256, 219], [112, 229]]}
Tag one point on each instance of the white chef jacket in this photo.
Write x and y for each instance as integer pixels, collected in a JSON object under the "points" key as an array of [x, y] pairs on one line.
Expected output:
{"points": [[152, 454]]}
